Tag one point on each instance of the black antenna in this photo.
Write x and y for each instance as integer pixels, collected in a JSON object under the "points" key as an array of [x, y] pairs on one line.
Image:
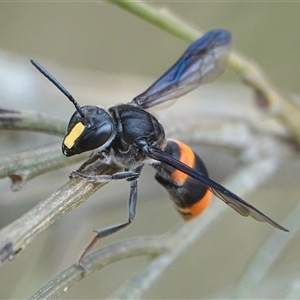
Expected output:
{"points": [[58, 85]]}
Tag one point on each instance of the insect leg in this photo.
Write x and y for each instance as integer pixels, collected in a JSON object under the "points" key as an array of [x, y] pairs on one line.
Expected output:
{"points": [[91, 160], [111, 230]]}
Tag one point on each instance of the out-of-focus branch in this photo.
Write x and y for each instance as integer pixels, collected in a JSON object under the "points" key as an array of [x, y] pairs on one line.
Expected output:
{"points": [[268, 254], [275, 103], [251, 144], [17, 120], [17, 235], [23, 166], [268, 96], [95, 261]]}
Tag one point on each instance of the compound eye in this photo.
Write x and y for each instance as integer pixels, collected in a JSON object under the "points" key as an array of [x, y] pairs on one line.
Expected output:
{"points": [[96, 137]]}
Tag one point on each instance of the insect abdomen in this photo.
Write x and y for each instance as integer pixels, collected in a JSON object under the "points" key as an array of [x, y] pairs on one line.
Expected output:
{"points": [[189, 195]]}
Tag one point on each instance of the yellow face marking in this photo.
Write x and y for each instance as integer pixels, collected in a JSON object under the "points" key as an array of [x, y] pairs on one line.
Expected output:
{"points": [[73, 135]]}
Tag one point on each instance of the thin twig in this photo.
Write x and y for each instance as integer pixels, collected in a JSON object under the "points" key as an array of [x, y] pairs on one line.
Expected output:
{"points": [[23, 166], [17, 120]]}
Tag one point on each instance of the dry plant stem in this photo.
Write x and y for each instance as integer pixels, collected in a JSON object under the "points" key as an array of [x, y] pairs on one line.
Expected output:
{"points": [[281, 107], [23, 166], [221, 134], [95, 261], [17, 235], [247, 179], [17, 120], [267, 255]]}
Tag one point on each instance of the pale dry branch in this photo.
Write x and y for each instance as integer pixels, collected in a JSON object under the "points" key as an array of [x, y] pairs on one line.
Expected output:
{"points": [[31, 121], [23, 166]]}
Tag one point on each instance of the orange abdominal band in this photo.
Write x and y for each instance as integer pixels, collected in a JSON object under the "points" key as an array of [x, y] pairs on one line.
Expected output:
{"points": [[189, 213], [187, 157]]}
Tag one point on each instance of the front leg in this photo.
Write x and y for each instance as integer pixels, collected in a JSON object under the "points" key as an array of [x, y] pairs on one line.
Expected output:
{"points": [[102, 156]]}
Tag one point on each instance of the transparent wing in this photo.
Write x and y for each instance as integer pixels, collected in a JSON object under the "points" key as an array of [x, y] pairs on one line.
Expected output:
{"points": [[238, 204], [203, 62]]}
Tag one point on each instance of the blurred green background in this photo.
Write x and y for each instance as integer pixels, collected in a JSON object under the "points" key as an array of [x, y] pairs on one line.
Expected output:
{"points": [[104, 39]]}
